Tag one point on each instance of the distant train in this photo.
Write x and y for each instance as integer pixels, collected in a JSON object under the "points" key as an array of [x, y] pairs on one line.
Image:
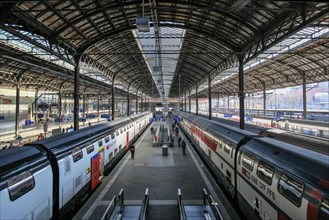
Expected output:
{"points": [[267, 179], [49, 178]]}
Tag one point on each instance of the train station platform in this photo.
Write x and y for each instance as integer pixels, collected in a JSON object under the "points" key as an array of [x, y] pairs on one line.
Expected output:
{"points": [[162, 176]]}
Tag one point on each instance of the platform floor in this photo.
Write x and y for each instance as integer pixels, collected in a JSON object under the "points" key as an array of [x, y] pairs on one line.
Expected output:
{"points": [[162, 175]]}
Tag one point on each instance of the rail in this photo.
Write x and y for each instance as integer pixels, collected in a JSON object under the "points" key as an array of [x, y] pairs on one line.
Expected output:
{"points": [[207, 210], [115, 206], [208, 202], [117, 210], [145, 204], [181, 208]]}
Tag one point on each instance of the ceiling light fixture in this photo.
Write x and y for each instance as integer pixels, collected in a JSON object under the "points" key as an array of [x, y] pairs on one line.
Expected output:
{"points": [[142, 23]]}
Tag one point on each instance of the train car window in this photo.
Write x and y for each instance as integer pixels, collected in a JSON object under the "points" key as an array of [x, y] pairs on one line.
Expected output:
{"points": [[20, 184], [291, 189], [121, 131], [115, 151], [67, 166], [112, 136], [220, 144], [90, 149], [107, 139], [324, 209], [265, 172], [100, 143], [117, 133], [248, 161], [120, 147], [227, 148], [125, 128], [111, 156], [77, 154]]}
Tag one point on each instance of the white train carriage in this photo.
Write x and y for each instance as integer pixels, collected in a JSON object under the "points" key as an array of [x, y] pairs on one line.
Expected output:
{"points": [[25, 184], [276, 180], [267, 178], [74, 163], [218, 144]]}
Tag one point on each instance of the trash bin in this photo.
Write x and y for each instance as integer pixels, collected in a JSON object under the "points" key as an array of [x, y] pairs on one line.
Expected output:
{"points": [[164, 150]]}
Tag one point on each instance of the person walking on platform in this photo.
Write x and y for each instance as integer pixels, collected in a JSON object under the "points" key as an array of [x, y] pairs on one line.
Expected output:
{"points": [[184, 147], [172, 140], [132, 151], [177, 130], [179, 140]]}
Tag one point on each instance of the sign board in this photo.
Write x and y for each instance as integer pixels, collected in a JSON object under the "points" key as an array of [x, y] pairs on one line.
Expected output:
{"points": [[56, 131], [226, 115]]}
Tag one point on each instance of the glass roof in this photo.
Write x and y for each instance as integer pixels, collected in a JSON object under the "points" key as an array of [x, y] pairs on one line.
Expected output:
{"points": [[290, 44], [157, 47], [29, 48]]}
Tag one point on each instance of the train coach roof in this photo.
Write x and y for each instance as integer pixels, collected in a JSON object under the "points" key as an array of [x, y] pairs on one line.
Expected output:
{"points": [[12, 157], [66, 139], [218, 129], [307, 161]]}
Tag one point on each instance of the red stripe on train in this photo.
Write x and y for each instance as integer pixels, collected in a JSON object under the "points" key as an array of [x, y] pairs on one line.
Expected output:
{"points": [[313, 209], [324, 183]]}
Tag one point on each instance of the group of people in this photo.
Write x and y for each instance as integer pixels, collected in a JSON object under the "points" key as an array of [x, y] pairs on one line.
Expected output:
{"points": [[182, 143], [67, 129], [40, 137], [7, 147]]}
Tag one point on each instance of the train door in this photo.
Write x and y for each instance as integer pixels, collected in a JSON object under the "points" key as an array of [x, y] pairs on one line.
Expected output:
{"points": [[127, 140], [101, 163], [258, 207], [94, 171]]}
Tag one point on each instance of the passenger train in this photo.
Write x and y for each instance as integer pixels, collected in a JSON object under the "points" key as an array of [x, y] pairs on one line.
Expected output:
{"points": [[47, 179], [266, 178]]}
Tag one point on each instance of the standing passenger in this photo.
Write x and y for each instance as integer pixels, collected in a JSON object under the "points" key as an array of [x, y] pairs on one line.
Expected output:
{"points": [[132, 151], [184, 147], [179, 140]]}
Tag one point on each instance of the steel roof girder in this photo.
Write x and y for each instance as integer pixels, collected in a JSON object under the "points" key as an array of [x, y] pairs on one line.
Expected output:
{"points": [[271, 42]]}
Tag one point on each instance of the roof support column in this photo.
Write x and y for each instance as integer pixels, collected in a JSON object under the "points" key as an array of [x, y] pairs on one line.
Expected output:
{"points": [[128, 103], [185, 103], [83, 109], [189, 101], [136, 101], [60, 108], [141, 104], [18, 85], [196, 101], [98, 98], [76, 92], [34, 113], [228, 103], [218, 102], [113, 100], [148, 104], [304, 96], [209, 97], [241, 91], [264, 100]]}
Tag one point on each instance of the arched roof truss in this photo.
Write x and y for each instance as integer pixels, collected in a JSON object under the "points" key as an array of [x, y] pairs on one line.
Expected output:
{"points": [[216, 32]]}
